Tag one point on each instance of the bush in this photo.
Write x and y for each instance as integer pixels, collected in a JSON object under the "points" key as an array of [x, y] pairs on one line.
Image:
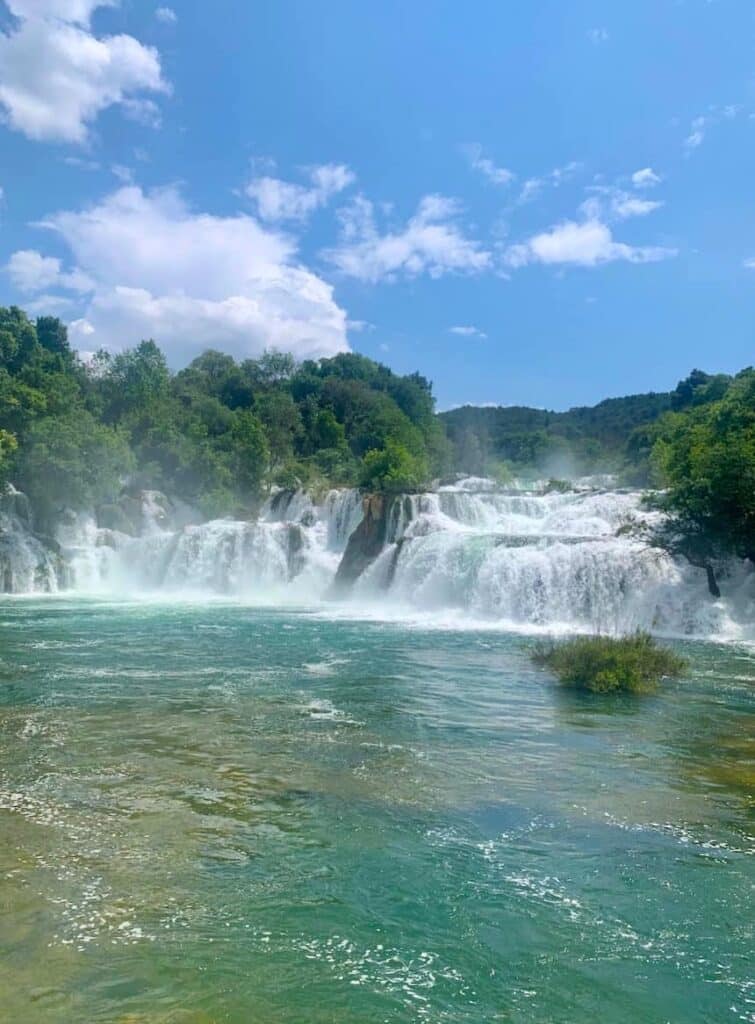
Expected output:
{"points": [[604, 664]]}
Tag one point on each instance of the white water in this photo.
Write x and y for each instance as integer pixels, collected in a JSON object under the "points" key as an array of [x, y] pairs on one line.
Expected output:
{"points": [[582, 560]]}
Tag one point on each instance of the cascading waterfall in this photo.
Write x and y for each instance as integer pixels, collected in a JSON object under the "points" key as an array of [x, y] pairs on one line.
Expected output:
{"points": [[290, 552], [522, 558], [580, 560]]}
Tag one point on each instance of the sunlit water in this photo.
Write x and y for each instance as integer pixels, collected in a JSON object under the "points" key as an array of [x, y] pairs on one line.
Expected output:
{"points": [[226, 814]]}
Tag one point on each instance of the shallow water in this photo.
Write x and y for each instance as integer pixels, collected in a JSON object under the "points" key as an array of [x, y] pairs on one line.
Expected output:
{"points": [[226, 814]]}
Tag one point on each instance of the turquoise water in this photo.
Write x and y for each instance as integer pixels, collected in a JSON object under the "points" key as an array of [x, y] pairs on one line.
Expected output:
{"points": [[223, 814]]}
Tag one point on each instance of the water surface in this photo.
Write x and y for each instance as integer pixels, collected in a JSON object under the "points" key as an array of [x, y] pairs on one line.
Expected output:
{"points": [[225, 814]]}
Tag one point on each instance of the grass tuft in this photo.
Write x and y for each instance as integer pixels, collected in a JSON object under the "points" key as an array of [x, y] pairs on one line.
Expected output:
{"points": [[605, 664]]}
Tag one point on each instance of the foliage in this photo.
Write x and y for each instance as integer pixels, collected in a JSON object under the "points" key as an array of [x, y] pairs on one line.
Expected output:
{"points": [[73, 461], [604, 664], [583, 439], [8, 445], [706, 457], [393, 468], [217, 434]]}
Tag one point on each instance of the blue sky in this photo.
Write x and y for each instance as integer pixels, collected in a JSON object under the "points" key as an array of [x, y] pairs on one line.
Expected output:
{"points": [[541, 203]]}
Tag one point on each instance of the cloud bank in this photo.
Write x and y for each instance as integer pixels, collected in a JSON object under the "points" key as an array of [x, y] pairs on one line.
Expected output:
{"points": [[151, 267]]}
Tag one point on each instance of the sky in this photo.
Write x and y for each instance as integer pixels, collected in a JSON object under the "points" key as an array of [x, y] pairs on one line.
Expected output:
{"points": [[543, 203]]}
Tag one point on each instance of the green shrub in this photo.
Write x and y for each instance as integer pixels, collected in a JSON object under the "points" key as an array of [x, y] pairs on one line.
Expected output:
{"points": [[604, 664]]}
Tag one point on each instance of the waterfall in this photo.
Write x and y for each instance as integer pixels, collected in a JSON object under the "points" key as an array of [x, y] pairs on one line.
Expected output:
{"points": [[289, 553], [516, 557], [27, 565], [579, 560]]}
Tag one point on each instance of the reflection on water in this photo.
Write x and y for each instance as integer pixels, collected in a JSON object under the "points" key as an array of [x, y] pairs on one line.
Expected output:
{"points": [[222, 814]]}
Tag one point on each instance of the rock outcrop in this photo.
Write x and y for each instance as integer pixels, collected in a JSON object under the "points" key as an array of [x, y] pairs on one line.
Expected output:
{"points": [[384, 519]]}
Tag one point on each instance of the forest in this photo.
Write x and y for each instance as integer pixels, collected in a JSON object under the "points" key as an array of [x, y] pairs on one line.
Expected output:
{"points": [[220, 434]]}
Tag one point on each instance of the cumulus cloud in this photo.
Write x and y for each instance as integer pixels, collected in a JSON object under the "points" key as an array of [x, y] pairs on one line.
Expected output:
{"points": [[483, 164], [468, 332], [166, 15], [585, 244], [284, 200], [30, 272], [56, 76], [189, 280], [431, 242], [645, 178], [78, 12]]}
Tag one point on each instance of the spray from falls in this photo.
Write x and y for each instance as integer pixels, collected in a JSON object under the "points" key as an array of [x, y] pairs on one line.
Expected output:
{"points": [[576, 560]]}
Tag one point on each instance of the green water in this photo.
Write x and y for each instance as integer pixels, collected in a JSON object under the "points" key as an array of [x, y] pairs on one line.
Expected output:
{"points": [[220, 814]]}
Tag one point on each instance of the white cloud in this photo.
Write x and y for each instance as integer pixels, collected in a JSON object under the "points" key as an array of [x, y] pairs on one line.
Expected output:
{"points": [[610, 203], [713, 116], [598, 36], [645, 178], [532, 187], [31, 272], [468, 332], [56, 77], [193, 280], [431, 242], [694, 139], [122, 173], [77, 12], [284, 200], [749, 263], [360, 325], [585, 244], [483, 164], [166, 15], [84, 165]]}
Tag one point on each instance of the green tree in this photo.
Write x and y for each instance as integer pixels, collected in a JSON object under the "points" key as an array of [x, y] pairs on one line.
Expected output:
{"points": [[250, 452], [706, 456], [393, 468], [72, 461], [8, 447]]}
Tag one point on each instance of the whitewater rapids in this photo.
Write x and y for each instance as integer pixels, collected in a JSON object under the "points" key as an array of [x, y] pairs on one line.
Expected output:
{"points": [[580, 560]]}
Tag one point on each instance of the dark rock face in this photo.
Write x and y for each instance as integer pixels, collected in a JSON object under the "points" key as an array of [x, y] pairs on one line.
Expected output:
{"points": [[380, 525], [295, 550]]}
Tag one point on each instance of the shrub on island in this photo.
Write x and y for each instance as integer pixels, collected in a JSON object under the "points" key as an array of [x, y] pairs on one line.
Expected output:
{"points": [[606, 664]]}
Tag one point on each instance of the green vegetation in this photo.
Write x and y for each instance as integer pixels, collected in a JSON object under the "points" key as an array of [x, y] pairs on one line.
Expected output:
{"points": [[578, 441], [604, 664], [706, 457], [217, 434]]}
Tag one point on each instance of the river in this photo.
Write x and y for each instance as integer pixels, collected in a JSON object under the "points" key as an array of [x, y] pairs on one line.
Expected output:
{"points": [[215, 812]]}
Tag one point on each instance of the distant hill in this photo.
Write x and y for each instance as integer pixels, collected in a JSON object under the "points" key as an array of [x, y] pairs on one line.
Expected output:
{"points": [[593, 437]]}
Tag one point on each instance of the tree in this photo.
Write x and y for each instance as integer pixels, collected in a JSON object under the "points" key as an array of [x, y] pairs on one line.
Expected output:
{"points": [[134, 379], [393, 469], [250, 452], [72, 461], [706, 456], [8, 447]]}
